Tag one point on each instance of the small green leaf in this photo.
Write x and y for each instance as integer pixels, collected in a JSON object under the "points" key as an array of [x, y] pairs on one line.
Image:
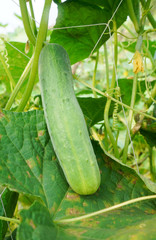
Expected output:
{"points": [[93, 108], [130, 46], [79, 42]]}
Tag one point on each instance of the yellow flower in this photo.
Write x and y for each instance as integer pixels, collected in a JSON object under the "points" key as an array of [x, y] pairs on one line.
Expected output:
{"points": [[137, 63]]}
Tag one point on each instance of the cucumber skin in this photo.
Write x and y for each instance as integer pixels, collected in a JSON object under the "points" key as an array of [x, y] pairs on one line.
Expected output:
{"points": [[65, 121]]}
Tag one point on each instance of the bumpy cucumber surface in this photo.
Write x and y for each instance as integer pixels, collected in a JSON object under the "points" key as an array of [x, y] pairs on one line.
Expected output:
{"points": [[65, 121]]}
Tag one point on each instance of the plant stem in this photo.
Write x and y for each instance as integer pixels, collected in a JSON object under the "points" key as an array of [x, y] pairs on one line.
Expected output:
{"points": [[26, 22], [94, 74], [149, 55], [19, 84], [39, 43], [10, 219], [154, 161], [115, 100], [132, 15], [129, 30], [149, 15], [153, 164], [107, 65], [108, 103], [152, 96], [106, 209], [134, 91], [33, 18], [12, 83]]}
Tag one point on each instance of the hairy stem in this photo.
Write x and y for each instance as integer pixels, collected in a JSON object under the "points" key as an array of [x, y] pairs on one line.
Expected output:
{"points": [[18, 85], [39, 44], [26, 22]]}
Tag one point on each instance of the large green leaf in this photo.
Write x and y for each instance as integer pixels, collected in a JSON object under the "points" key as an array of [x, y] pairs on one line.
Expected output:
{"points": [[28, 164], [27, 160], [132, 222], [80, 41], [119, 184]]}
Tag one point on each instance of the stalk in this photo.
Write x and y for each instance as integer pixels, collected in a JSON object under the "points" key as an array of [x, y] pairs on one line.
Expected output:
{"points": [[39, 43], [94, 74], [117, 101], [149, 15], [134, 92], [26, 22], [18, 85], [132, 15], [130, 118], [33, 17], [108, 103], [152, 96], [107, 65]]}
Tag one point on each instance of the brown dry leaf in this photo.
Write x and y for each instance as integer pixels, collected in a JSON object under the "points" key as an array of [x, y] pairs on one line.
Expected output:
{"points": [[137, 63]]}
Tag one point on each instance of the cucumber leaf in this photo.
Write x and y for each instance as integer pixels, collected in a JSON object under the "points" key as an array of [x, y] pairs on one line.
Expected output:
{"points": [[93, 108], [27, 161], [28, 165], [80, 41], [136, 221]]}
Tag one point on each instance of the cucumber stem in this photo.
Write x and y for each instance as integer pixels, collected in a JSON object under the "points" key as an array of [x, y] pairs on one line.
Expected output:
{"points": [[115, 100], [26, 22], [153, 164], [39, 44], [108, 103], [94, 73], [152, 96], [107, 65], [33, 17], [149, 15], [18, 85], [10, 219], [134, 91], [132, 15]]}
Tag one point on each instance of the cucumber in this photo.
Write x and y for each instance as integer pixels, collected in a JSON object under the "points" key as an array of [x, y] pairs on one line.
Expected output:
{"points": [[65, 121]]}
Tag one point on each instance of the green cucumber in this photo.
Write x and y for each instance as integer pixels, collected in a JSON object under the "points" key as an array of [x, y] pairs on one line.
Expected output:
{"points": [[65, 121]]}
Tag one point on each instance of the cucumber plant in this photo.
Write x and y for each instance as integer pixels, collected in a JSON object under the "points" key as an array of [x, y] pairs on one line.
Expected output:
{"points": [[82, 28]]}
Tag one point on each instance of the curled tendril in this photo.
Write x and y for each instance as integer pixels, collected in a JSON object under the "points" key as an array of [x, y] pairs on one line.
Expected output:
{"points": [[117, 95], [3, 49]]}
